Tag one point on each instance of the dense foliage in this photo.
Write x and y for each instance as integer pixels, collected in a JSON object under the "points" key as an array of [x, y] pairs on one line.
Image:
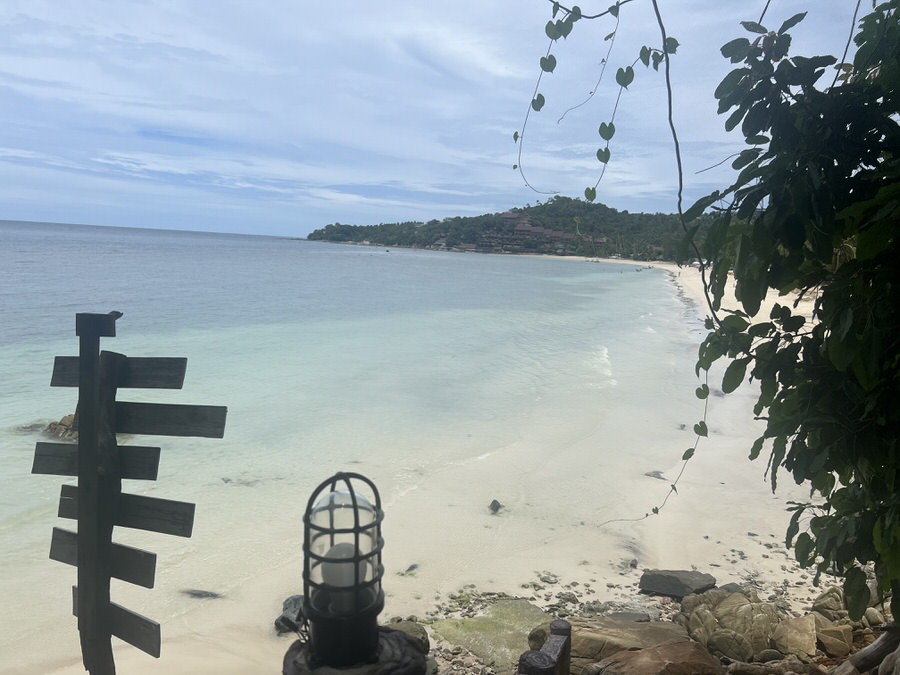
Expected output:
{"points": [[560, 225], [814, 209]]}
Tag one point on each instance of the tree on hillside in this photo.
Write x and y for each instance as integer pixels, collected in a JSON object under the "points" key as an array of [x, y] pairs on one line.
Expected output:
{"points": [[813, 210]]}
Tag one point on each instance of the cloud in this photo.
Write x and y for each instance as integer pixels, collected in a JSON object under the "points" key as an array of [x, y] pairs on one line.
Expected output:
{"points": [[286, 116]]}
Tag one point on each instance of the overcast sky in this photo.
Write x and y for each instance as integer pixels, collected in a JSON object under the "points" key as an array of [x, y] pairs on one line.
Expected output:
{"points": [[279, 117]]}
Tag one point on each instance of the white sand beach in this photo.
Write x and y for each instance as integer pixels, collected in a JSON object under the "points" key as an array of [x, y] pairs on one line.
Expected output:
{"points": [[563, 514]]}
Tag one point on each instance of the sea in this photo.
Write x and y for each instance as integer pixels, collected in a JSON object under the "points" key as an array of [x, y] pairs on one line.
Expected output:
{"points": [[394, 363]]}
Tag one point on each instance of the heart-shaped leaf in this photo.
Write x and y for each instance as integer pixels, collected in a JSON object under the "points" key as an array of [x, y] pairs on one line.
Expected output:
{"points": [[607, 131], [552, 31], [537, 102], [625, 76], [590, 194], [603, 155], [548, 63]]}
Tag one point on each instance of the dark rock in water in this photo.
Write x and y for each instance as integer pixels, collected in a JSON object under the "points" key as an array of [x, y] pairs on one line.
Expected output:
{"points": [[495, 506], [201, 594], [675, 583], [291, 615], [410, 571]]}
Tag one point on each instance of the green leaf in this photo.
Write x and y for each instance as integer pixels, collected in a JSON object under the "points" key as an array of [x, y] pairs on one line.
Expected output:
{"points": [[700, 206], [734, 375], [790, 23], [515, 137], [625, 76], [555, 9], [856, 593], [754, 27], [603, 155], [804, 549], [756, 448], [614, 10], [590, 194], [609, 36], [576, 13], [700, 429], [736, 50], [702, 391], [671, 45], [538, 102], [645, 55], [552, 31], [607, 131], [548, 63], [687, 454], [564, 26]]}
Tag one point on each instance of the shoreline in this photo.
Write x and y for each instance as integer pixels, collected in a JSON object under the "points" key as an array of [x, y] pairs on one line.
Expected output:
{"points": [[511, 551]]}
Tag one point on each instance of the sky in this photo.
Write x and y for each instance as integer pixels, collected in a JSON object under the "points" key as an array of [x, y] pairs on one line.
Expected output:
{"points": [[279, 117]]}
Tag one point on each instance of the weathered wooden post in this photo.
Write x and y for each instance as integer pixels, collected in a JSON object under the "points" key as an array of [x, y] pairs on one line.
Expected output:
{"points": [[554, 656], [100, 465]]}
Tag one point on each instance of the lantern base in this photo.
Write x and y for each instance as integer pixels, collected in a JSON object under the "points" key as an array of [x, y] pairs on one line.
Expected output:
{"points": [[398, 654]]}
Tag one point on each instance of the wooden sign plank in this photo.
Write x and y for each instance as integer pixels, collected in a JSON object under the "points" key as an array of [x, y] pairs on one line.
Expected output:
{"points": [[165, 419], [128, 564], [139, 512], [136, 630], [61, 459], [154, 372]]}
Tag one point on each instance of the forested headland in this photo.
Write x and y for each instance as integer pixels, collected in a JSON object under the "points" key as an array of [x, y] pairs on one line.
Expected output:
{"points": [[560, 226]]}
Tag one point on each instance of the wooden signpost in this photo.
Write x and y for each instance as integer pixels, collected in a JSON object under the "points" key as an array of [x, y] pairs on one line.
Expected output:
{"points": [[98, 503]]}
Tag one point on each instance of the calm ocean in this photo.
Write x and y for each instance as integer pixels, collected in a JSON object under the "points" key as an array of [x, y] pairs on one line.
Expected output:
{"points": [[390, 362]]}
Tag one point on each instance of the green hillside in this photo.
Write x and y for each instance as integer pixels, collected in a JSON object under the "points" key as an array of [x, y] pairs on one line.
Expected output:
{"points": [[561, 226]]}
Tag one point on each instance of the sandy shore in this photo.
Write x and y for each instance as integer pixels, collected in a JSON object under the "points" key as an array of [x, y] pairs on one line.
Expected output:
{"points": [[723, 520]]}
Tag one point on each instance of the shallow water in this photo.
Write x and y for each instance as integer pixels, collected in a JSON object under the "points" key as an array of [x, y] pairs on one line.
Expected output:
{"points": [[403, 365]]}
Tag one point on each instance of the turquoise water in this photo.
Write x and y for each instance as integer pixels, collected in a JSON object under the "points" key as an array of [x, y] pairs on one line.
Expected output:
{"points": [[392, 362]]}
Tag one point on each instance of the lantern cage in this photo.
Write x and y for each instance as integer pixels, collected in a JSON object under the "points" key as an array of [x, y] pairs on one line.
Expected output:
{"points": [[342, 571]]}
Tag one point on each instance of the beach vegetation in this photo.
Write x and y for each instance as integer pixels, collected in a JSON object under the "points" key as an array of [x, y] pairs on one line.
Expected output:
{"points": [[812, 212]]}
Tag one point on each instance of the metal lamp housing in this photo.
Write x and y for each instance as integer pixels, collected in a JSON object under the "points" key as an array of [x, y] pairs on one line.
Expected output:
{"points": [[342, 571]]}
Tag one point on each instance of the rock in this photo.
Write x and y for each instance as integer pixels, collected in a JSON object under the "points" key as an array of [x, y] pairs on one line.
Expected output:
{"points": [[641, 617], [675, 583], [498, 636], [783, 667], [291, 615], [767, 655], [836, 640], [495, 506], [600, 638], [830, 604], [730, 644], [668, 658], [415, 631], [797, 637], [891, 664], [66, 428], [873, 616]]}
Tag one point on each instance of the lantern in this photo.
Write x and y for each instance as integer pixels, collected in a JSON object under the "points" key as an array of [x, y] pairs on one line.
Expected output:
{"points": [[342, 571]]}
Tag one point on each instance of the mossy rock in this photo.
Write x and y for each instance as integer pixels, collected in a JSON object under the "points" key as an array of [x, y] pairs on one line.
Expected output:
{"points": [[499, 635]]}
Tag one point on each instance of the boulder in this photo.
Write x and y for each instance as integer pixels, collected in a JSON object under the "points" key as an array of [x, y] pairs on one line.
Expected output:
{"points": [[668, 658], [730, 644], [836, 640], [600, 638], [717, 610], [675, 583], [830, 604], [498, 636], [796, 636]]}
